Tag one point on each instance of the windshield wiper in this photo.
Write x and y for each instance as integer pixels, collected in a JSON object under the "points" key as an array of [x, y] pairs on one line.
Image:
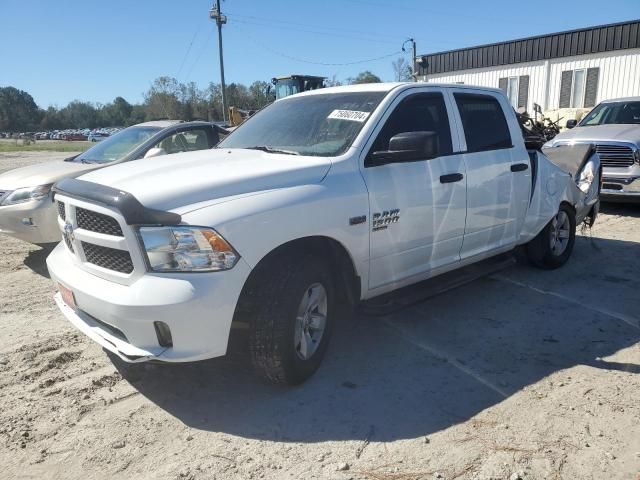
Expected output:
{"points": [[268, 149]]}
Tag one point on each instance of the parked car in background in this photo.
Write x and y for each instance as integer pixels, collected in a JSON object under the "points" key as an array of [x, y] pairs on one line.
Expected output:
{"points": [[613, 127], [329, 196], [26, 208], [76, 136], [97, 136]]}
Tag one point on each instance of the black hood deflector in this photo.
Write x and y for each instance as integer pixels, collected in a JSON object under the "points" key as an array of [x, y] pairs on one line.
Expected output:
{"points": [[131, 209]]}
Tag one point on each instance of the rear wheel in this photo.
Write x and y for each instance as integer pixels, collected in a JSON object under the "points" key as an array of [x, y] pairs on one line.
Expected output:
{"points": [[291, 319], [552, 247]]}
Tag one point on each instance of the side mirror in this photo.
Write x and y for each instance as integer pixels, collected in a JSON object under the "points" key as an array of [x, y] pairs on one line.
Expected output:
{"points": [[408, 147], [155, 152], [571, 123]]}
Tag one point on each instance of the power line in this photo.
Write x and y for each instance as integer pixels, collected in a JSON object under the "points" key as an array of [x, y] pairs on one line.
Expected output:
{"points": [[318, 27], [184, 59], [202, 49], [456, 14], [352, 37], [327, 64]]}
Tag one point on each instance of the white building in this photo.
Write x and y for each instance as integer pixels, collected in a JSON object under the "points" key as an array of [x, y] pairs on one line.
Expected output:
{"points": [[573, 69]]}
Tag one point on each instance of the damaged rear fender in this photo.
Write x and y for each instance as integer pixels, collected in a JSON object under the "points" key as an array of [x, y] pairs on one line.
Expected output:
{"points": [[571, 174]]}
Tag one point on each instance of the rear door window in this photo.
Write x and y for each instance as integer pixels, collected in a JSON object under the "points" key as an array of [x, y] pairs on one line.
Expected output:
{"points": [[484, 123]]}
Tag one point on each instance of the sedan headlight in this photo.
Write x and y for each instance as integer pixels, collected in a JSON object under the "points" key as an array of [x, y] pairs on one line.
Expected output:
{"points": [[26, 194], [187, 249]]}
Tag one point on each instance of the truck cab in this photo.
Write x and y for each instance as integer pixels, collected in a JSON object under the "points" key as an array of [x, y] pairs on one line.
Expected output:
{"points": [[293, 84], [326, 197]]}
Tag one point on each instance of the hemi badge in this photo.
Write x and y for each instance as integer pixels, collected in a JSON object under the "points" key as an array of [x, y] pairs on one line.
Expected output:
{"points": [[357, 220]]}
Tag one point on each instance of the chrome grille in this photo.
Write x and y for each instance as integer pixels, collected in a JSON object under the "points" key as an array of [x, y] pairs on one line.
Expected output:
{"points": [[97, 222], [615, 155], [61, 211], [109, 258], [68, 242]]}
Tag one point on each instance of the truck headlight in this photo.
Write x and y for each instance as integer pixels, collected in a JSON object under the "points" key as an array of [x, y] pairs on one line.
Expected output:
{"points": [[587, 176], [26, 194], [187, 249], [636, 156]]}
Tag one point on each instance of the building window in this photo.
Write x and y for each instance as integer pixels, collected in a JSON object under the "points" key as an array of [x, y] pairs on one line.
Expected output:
{"points": [[516, 89], [512, 91], [579, 88], [577, 92]]}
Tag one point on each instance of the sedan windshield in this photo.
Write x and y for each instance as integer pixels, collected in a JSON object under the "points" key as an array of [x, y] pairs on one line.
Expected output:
{"points": [[318, 125], [117, 146], [613, 113]]}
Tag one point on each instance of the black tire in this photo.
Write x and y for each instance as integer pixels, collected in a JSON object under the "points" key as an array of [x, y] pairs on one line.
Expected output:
{"points": [[275, 297], [539, 250]]}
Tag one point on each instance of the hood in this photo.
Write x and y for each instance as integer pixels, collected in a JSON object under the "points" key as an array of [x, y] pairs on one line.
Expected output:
{"points": [[597, 133], [43, 174], [173, 182]]}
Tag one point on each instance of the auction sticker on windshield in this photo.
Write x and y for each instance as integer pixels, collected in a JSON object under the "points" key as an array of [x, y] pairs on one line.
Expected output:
{"points": [[352, 115]]}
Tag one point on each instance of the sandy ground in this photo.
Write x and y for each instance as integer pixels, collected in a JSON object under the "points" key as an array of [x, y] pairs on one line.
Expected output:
{"points": [[525, 374]]}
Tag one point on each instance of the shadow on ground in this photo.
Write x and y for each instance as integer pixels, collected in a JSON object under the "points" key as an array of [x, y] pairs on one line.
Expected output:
{"points": [[621, 208], [421, 369], [36, 260]]}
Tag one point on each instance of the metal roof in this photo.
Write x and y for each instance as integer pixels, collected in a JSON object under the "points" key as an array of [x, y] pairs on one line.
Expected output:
{"points": [[598, 39]]}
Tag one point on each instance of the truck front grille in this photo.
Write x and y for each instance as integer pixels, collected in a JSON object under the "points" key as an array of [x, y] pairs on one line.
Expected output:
{"points": [[61, 211], [109, 258], [615, 155], [97, 222], [112, 252], [68, 243]]}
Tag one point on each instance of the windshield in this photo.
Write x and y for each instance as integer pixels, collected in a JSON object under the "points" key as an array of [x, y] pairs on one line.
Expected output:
{"points": [[613, 113], [117, 146], [318, 125]]}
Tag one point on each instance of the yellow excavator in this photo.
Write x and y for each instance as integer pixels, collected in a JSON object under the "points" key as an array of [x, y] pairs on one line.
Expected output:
{"points": [[282, 87]]}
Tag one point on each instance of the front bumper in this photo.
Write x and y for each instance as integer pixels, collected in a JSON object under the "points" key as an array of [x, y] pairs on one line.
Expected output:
{"points": [[197, 307], [623, 188], [33, 221]]}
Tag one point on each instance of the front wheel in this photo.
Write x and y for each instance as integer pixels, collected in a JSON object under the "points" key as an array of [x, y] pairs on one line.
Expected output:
{"points": [[552, 247], [291, 322]]}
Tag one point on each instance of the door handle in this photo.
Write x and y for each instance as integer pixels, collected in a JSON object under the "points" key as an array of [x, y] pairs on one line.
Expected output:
{"points": [[451, 178], [519, 167]]}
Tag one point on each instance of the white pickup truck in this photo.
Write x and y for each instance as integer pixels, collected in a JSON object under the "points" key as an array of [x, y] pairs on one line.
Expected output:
{"points": [[340, 194]]}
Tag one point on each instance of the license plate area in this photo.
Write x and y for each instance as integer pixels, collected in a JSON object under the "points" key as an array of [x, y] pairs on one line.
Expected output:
{"points": [[67, 296]]}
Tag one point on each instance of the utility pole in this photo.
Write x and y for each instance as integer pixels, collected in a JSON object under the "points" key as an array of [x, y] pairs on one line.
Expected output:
{"points": [[220, 19], [414, 72]]}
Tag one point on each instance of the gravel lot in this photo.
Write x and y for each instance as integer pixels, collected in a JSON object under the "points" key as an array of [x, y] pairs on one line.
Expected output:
{"points": [[524, 374]]}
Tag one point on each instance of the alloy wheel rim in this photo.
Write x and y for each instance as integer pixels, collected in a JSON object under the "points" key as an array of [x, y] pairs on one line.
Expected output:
{"points": [[311, 321], [560, 233]]}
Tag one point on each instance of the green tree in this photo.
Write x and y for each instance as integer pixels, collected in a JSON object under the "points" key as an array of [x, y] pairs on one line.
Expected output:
{"points": [[162, 100], [260, 94], [194, 102], [138, 115], [364, 77], [78, 114], [18, 110], [116, 113], [52, 119]]}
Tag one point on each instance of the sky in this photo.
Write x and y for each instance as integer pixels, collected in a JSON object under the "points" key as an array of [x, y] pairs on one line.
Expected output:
{"points": [[64, 50]]}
